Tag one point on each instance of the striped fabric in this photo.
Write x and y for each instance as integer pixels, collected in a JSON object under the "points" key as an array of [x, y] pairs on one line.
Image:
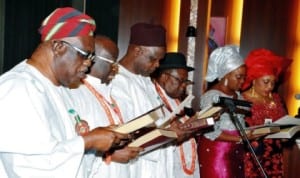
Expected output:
{"points": [[66, 22]]}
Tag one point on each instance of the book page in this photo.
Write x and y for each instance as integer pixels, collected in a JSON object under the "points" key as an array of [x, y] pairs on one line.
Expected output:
{"points": [[288, 120], [285, 133], [263, 130], [147, 119], [166, 121], [208, 112], [154, 139]]}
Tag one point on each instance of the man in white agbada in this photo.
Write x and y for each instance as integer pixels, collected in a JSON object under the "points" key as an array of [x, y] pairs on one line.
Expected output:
{"points": [[39, 137], [93, 100], [135, 93], [170, 81]]}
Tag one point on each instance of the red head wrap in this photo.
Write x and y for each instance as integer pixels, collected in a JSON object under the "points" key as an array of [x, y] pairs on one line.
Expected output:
{"points": [[261, 62], [66, 22]]}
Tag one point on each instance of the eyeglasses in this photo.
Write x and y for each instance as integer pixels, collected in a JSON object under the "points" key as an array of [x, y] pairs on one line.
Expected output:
{"points": [[105, 59], [115, 65], [181, 81], [84, 54]]}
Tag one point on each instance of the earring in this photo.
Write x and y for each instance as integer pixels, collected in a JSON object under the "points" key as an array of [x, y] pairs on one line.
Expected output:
{"points": [[253, 94], [225, 82], [270, 95]]}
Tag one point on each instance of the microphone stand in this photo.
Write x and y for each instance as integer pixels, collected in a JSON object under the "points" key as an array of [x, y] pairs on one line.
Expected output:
{"points": [[230, 105]]}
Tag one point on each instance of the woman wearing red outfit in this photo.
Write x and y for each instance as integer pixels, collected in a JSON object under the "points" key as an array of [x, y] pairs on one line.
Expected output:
{"points": [[263, 71]]}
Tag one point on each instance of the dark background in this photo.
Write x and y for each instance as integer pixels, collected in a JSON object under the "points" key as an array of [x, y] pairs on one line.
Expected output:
{"points": [[23, 19]]}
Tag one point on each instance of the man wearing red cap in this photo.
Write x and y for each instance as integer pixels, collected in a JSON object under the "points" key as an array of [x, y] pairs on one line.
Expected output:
{"points": [[41, 133], [135, 93]]}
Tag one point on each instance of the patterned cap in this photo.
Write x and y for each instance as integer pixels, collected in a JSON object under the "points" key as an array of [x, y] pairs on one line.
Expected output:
{"points": [[66, 22]]}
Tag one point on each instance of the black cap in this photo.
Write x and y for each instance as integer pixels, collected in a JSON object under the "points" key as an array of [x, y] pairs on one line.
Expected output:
{"points": [[174, 60]]}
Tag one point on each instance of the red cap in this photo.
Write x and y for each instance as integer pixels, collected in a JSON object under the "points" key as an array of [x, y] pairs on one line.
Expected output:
{"points": [[148, 35], [66, 22]]}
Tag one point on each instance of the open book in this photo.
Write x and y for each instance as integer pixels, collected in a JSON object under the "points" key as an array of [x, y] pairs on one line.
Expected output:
{"points": [[209, 111], [150, 119], [148, 132], [289, 126], [288, 132], [153, 139], [168, 118], [146, 120], [263, 130]]}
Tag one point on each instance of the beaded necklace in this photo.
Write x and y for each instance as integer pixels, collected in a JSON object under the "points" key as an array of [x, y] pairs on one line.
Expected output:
{"points": [[106, 105], [187, 170]]}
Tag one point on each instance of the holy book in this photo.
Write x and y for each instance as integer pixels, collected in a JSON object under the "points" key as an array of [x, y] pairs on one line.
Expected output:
{"points": [[143, 121], [153, 139], [289, 126], [263, 130]]}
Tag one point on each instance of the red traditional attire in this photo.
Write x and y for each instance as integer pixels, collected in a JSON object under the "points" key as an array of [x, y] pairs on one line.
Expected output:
{"points": [[268, 151], [262, 62]]}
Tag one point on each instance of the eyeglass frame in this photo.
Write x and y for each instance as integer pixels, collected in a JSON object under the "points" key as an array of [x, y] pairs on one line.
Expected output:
{"points": [[114, 65], [105, 59], [85, 54], [186, 81]]}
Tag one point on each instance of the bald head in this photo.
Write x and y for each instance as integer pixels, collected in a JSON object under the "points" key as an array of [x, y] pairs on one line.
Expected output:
{"points": [[107, 52], [107, 48]]}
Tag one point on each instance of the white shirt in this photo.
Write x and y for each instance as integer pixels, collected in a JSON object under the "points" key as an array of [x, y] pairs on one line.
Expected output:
{"points": [[90, 108], [175, 163], [37, 133], [136, 95]]}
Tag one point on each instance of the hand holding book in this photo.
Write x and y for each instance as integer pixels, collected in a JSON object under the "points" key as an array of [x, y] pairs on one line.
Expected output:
{"points": [[194, 124], [125, 154]]}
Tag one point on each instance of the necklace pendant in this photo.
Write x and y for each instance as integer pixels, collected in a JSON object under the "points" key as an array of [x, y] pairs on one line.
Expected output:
{"points": [[272, 104]]}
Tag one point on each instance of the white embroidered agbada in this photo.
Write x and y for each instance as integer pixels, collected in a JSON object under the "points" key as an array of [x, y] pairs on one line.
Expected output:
{"points": [[184, 155], [38, 137], [88, 106], [136, 95]]}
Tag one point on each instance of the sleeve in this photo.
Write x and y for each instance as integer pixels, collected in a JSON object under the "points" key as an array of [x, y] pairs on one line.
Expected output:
{"points": [[120, 91], [34, 139], [206, 100]]}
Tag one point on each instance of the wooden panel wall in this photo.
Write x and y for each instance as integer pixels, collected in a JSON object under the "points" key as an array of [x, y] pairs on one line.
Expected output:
{"points": [[183, 24], [265, 24]]}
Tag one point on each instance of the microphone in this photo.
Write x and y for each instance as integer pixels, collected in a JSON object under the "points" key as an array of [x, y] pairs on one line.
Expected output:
{"points": [[225, 100], [297, 96]]}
